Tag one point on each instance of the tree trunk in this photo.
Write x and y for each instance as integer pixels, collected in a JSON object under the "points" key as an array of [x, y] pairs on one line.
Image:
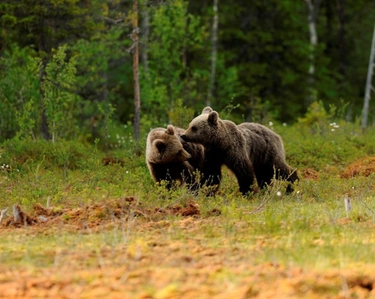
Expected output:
{"points": [[105, 100], [137, 100], [368, 83], [145, 32], [215, 26], [44, 130], [341, 42], [312, 16]]}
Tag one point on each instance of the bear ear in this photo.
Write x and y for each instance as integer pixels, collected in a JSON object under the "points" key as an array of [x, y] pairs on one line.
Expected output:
{"points": [[160, 145], [207, 110], [212, 118], [170, 130]]}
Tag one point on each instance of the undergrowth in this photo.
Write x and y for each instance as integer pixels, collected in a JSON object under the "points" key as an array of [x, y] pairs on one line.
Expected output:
{"points": [[312, 227]]}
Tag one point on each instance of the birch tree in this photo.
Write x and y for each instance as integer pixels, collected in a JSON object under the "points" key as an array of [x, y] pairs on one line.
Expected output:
{"points": [[215, 26], [368, 83], [313, 9]]}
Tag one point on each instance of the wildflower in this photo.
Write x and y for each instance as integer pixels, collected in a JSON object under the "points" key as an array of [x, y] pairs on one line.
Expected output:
{"points": [[278, 193], [334, 125], [284, 124], [270, 123]]}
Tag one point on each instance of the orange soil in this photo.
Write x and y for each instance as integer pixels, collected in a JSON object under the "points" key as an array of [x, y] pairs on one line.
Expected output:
{"points": [[161, 267]]}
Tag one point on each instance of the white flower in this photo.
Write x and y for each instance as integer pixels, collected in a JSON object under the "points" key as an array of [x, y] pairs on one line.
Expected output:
{"points": [[278, 193], [270, 123], [284, 124]]}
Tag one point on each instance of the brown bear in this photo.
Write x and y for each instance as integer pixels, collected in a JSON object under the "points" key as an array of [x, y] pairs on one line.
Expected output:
{"points": [[208, 168], [170, 158], [248, 149]]}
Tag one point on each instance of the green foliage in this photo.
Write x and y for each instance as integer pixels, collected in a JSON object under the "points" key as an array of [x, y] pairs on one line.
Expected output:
{"points": [[24, 155], [316, 116], [262, 62], [336, 145], [19, 89], [180, 115], [60, 101], [168, 77]]}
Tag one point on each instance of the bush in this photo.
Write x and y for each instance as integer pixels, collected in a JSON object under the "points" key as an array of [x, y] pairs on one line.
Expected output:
{"points": [[20, 153]]}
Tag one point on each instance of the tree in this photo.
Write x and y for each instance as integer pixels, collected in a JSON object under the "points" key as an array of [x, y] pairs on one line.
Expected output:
{"points": [[369, 86], [215, 24], [47, 24], [19, 93], [313, 10], [175, 52], [135, 49]]}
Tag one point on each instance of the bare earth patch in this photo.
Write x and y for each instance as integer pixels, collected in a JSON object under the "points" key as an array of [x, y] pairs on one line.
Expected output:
{"points": [[361, 167], [162, 254]]}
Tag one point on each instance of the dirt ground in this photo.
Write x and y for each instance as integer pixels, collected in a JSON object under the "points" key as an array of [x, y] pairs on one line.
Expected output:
{"points": [[154, 266], [160, 267]]}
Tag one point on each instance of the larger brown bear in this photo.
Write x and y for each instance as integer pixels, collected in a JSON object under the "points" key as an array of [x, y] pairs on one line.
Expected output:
{"points": [[248, 149], [169, 158]]}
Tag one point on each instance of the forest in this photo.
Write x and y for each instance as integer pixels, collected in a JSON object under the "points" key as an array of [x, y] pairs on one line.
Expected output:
{"points": [[67, 66], [82, 83]]}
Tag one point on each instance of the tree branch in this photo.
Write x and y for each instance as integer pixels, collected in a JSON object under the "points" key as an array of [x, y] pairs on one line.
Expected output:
{"points": [[111, 21]]}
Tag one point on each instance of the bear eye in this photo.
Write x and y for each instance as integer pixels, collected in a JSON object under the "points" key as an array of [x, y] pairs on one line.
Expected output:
{"points": [[194, 129]]}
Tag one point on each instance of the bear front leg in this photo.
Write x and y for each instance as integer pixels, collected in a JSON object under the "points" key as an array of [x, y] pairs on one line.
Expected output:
{"points": [[161, 173], [244, 173], [211, 177]]}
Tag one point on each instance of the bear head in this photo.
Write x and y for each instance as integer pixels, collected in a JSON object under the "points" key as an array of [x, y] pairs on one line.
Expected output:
{"points": [[164, 146], [204, 128]]}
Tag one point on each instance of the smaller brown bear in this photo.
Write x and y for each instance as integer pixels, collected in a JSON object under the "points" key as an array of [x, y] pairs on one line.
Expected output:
{"points": [[248, 149], [169, 160]]}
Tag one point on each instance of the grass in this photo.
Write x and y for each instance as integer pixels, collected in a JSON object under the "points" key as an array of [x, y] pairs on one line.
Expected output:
{"points": [[303, 244]]}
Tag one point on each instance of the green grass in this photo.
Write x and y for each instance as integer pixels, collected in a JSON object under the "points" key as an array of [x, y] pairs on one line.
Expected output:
{"points": [[221, 248]]}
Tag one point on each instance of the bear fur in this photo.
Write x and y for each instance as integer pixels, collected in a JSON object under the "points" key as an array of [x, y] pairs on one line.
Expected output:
{"points": [[249, 150], [170, 158], [203, 161]]}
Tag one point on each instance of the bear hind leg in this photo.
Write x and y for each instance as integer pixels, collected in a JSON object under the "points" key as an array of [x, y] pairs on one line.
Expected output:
{"points": [[288, 174]]}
